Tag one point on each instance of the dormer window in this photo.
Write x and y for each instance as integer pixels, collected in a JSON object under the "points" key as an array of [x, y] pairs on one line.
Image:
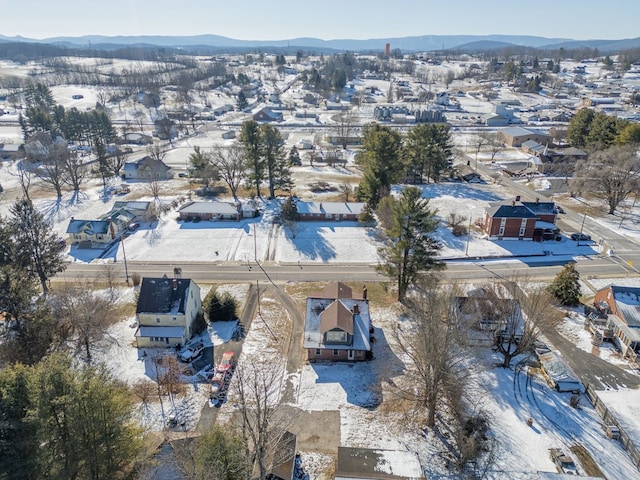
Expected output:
{"points": [[336, 336]]}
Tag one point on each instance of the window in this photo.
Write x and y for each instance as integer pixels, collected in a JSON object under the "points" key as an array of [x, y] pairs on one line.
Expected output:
{"points": [[335, 353], [523, 226], [174, 319], [157, 319], [336, 336], [317, 351]]}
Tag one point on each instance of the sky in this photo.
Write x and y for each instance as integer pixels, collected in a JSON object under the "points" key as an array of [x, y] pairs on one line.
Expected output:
{"points": [[325, 19]]}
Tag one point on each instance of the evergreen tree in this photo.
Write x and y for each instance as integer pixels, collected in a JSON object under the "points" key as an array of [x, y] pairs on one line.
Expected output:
{"points": [[273, 153], [289, 211], [603, 131], [566, 286], [427, 150], [104, 169], [251, 140], [380, 161], [294, 157], [37, 248], [219, 454], [84, 419], [410, 250], [241, 102], [220, 307], [18, 451], [629, 134], [579, 126]]}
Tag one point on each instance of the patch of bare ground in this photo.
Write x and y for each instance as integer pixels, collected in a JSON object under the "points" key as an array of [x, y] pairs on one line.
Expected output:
{"points": [[380, 294], [586, 460]]}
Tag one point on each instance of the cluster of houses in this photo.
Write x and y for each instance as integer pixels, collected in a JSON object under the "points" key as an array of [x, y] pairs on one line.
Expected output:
{"points": [[108, 227]]}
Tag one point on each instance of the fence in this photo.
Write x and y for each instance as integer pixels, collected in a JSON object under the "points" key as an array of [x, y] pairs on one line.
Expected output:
{"points": [[610, 419]]}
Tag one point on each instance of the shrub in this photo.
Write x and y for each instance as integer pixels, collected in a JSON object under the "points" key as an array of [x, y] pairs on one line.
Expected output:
{"points": [[136, 279], [219, 306]]}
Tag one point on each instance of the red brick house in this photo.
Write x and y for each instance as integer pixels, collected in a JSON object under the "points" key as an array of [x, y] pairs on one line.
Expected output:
{"points": [[337, 324], [521, 220], [621, 306]]}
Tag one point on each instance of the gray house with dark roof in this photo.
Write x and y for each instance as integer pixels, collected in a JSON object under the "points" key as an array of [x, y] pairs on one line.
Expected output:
{"points": [[166, 311]]}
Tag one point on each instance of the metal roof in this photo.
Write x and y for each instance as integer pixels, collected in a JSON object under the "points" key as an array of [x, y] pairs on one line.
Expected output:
{"points": [[162, 332]]}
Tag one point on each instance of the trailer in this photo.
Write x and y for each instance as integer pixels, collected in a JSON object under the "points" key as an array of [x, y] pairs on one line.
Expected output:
{"points": [[557, 373]]}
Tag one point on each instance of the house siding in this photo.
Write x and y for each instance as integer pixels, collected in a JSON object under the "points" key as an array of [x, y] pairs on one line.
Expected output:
{"points": [[192, 306], [343, 355], [511, 227]]}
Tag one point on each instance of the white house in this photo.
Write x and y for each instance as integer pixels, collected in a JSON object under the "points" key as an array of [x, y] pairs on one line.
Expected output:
{"points": [[166, 311]]}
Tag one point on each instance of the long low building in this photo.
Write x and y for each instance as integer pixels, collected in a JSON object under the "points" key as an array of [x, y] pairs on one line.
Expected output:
{"points": [[316, 211]]}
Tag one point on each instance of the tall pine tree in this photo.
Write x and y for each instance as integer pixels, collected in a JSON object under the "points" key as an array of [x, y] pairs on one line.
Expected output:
{"points": [[566, 286]]}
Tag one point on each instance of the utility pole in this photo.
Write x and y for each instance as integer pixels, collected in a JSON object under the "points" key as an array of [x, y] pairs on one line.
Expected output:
{"points": [[466, 252], [124, 255], [581, 228]]}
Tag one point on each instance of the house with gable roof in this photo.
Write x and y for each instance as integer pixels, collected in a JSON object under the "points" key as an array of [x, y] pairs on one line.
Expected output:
{"points": [[166, 311], [337, 324], [621, 307]]}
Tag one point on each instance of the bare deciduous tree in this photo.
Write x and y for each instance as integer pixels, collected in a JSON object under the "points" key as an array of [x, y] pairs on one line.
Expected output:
{"points": [[514, 316], [52, 170], [231, 164], [256, 390], [611, 175], [84, 313], [432, 342], [345, 126], [347, 191], [496, 145], [24, 174], [75, 170]]}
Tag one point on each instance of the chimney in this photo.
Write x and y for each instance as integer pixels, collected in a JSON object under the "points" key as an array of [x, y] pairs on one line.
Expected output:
{"points": [[175, 283], [356, 309], [364, 292], [320, 206], [537, 200], [513, 203]]}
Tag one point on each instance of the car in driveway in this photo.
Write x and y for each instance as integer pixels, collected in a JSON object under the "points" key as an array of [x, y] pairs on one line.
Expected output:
{"points": [[192, 352], [564, 463]]}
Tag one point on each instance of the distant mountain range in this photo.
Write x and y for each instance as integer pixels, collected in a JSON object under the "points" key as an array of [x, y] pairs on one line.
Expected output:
{"points": [[405, 44]]}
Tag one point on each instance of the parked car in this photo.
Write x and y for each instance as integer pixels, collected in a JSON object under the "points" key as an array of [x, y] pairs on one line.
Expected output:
{"points": [[227, 363], [189, 354], [564, 463], [583, 237], [134, 226]]}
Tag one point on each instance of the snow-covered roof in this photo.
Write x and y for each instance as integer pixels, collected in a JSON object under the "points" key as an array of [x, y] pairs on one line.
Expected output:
{"points": [[344, 208], [628, 304], [220, 208], [313, 336], [88, 227], [365, 463]]}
